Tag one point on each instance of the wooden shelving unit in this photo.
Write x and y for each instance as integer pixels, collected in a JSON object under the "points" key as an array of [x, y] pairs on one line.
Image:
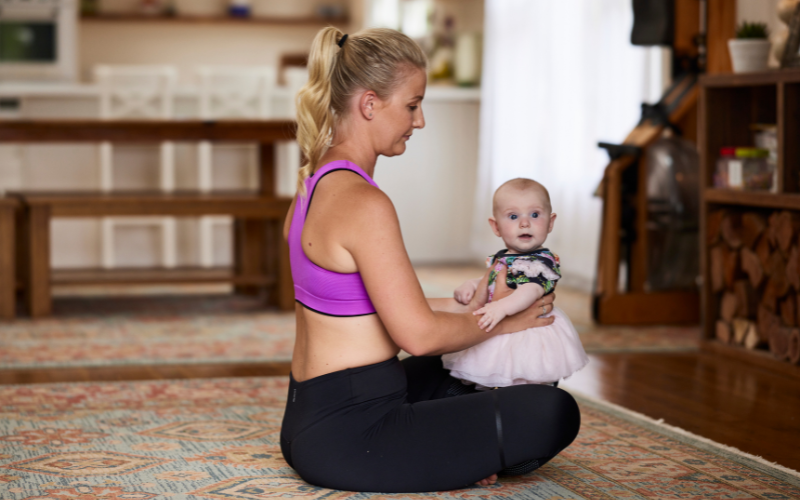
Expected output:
{"points": [[310, 21], [729, 105]]}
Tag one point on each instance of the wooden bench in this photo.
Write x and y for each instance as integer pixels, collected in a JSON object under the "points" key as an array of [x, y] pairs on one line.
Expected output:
{"points": [[258, 226], [8, 207], [260, 255]]}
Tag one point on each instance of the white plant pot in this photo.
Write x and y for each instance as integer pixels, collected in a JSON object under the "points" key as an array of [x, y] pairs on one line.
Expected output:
{"points": [[749, 55]]}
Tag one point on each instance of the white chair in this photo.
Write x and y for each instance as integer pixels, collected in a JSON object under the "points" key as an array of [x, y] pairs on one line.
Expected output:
{"points": [[288, 161], [232, 93], [12, 161], [137, 92]]}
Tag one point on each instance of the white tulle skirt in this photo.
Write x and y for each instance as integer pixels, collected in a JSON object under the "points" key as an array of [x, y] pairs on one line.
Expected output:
{"points": [[533, 356]]}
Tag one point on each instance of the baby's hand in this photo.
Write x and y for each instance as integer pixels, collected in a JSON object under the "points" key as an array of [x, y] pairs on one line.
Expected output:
{"points": [[465, 292], [492, 314]]}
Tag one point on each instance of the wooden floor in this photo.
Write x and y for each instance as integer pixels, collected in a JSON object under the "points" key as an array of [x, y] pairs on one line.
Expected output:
{"points": [[720, 398], [728, 401]]}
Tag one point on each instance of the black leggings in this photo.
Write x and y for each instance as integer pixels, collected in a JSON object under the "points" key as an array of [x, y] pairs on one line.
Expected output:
{"points": [[389, 427]]}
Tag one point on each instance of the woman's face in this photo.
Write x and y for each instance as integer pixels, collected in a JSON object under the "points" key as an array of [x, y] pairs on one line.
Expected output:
{"points": [[397, 117]]}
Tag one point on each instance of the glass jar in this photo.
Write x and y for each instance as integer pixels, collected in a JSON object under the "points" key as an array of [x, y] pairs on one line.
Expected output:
{"points": [[722, 172], [748, 169]]}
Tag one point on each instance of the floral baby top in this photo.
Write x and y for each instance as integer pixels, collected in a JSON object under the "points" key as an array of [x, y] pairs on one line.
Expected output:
{"points": [[540, 266]]}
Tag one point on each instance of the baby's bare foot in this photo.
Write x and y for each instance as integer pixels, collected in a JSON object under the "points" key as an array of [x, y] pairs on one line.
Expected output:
{"points": [[488, 481]]}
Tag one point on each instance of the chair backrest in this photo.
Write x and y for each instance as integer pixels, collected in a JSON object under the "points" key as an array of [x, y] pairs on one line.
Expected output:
{"points": [[136, 91], [236, 92], [295, 78]]}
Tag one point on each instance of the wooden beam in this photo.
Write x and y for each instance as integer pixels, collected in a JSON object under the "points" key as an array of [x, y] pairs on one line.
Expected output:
{"points": [[721, 28], [94, 204], [687, 26], [117, 276]]}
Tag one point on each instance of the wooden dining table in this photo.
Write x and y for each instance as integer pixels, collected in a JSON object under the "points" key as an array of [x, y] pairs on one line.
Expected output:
{"points": [[260, 254]]}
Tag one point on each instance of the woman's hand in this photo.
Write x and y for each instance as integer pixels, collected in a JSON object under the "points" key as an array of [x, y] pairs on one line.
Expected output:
{"points": [[544, 306], [481, 296], [529, 318]]}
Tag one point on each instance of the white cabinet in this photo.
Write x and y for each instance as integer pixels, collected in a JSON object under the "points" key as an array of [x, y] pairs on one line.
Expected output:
{"points": [[432, 185]]}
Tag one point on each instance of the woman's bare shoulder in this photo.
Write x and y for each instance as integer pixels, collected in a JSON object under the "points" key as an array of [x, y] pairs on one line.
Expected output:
{"points": [[354, 195]]}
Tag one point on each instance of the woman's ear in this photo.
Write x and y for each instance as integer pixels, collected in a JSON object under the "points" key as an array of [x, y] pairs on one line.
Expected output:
{"points": [[493, 224], [367, 103]]}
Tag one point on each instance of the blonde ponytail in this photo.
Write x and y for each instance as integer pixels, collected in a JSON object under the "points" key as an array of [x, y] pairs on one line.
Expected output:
{"points": [[314, 114], [371, 59]]}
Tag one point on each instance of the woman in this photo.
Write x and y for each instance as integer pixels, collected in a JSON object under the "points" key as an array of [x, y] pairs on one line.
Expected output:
{"points": [[357, 418]]}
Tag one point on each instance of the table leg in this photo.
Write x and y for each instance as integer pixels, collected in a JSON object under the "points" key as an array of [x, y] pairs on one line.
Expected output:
{"points": [[281, 293], [37, 286], [7, 264], [250, 252]]}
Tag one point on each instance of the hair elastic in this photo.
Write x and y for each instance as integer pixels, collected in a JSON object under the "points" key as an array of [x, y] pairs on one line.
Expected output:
{"points": [[341, 42]]}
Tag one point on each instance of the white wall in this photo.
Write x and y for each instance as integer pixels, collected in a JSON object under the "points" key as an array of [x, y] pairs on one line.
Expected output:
{"points": [[758, 10], [763, 11], [187, 45]]}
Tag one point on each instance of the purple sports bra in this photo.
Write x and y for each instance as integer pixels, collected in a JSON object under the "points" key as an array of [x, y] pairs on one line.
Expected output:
{"points": [[318, 289]]}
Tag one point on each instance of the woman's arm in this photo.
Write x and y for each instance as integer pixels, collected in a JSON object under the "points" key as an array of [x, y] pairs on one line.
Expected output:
{"points": [[374, 240], [446, 304]]}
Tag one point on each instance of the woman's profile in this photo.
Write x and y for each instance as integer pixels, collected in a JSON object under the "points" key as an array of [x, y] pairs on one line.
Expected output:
{"points": [[356, 417]]}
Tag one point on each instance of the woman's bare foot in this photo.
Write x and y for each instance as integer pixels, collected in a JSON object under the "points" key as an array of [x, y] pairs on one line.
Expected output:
{"points": [[488, 481]]}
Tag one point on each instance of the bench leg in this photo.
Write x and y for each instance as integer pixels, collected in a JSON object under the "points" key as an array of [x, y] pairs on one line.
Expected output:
{"points": [[250, 251], [285, 285], [261, 250], [7, 264], [281, 293], [37, 282]]}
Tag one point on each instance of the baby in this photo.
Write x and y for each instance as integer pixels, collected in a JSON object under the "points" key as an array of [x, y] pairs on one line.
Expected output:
{"points": [[522, 217]]}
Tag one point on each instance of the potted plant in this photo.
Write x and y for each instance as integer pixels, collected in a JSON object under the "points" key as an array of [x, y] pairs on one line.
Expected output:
{"points": [[750, 49]]}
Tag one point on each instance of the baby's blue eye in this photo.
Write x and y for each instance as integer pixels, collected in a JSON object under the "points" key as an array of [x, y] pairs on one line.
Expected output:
{"points": [[535, 215], [512, 217]]}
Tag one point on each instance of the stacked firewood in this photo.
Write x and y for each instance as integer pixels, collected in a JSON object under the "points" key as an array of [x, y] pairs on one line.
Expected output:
{"points": [[755, 277]]}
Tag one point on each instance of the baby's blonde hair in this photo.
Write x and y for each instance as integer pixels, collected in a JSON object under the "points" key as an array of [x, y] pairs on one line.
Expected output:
{"points": [[522, 184], [373, 59]]}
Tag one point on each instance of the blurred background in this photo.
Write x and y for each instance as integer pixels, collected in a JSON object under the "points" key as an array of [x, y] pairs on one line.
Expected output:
{"points": [[517, 88]]}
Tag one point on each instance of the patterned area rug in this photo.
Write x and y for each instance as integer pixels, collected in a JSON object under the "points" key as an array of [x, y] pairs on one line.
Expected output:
{"points": [[149, 330], [218, 439], [140, 329]]}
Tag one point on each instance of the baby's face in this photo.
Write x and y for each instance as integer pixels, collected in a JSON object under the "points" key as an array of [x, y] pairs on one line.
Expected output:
{"points": [[523, 219]]}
